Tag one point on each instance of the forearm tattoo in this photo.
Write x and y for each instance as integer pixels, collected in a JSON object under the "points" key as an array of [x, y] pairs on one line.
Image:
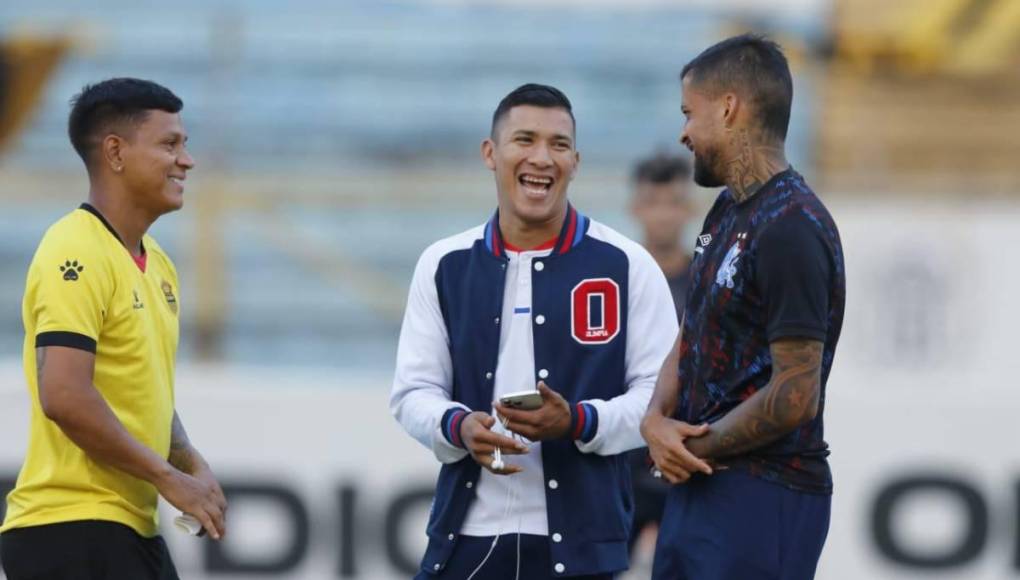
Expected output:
{"points": [[789, 400], [181, 453]]}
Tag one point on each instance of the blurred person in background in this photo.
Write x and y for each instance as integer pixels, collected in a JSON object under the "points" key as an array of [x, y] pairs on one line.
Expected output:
{"points": [[660, 202], [3, 82], [744, 387], [101, 330], [538, 294]]}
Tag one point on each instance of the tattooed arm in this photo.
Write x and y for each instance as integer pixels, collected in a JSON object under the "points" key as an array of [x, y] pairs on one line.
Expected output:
{"points": [[186, 459], [69, 399], [666, 437], [182, 455], [789, 400]]}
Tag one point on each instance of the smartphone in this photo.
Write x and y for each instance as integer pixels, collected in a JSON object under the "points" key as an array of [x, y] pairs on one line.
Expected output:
{"points": [[524, 400]]}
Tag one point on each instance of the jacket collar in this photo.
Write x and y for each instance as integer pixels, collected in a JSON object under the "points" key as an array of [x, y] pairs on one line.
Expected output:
{"points": [[571, 234]]}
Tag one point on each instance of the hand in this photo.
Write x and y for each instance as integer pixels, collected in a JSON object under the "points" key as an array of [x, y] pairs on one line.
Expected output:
{"points": [[199, 496], [550, 421], [480, 441], [665, 438], [204, 474]]}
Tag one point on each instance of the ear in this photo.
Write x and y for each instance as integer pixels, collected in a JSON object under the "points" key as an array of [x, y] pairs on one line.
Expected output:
{"points": [[577, 163], [730, 108], [488, 152], [112, 149]]}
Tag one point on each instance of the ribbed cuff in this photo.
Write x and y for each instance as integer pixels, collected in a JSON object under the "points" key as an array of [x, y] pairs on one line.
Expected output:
{"points": [[584, 422], [451, 422]]}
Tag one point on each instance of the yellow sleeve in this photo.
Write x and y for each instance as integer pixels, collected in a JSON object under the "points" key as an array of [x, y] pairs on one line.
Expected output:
{"points": [[69, 290]]}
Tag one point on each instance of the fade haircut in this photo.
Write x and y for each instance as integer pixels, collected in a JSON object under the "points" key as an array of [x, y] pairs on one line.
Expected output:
{"points": [[535, 95], [753, 66], [102, 108]]}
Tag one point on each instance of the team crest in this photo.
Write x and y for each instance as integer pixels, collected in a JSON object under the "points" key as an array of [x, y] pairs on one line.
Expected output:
{"points": [[728, 269], [595, 311], [168, 292], [71, 270]]}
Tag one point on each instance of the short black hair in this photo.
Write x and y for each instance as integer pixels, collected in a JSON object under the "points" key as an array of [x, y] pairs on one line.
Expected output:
{"points": [[98, 107], [662, 168], [535, 95], [751, 65]]}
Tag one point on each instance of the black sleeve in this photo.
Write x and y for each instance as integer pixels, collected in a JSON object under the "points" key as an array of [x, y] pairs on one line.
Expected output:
{"points": [[794, 273], [68, 339]]}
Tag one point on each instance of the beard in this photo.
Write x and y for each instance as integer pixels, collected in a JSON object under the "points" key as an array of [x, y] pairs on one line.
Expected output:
{"points": [[705, 172]]}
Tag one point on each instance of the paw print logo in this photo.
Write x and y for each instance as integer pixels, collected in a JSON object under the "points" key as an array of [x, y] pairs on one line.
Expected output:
{"points": [[71, 270]]}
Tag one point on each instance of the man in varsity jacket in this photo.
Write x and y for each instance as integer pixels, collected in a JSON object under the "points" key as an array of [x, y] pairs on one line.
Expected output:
{"points": [[539, 297]]}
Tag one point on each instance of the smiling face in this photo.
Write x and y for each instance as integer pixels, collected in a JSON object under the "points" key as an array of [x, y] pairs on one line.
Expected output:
{"points": [[704, 134], [533, 156], [156, 163]]}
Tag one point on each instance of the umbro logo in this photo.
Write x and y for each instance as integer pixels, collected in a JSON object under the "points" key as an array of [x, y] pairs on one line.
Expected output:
{"points": [[703, 241]]}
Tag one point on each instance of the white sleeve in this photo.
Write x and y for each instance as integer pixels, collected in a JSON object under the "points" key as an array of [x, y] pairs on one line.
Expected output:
{"points": [[424, 375], [651, 330]]}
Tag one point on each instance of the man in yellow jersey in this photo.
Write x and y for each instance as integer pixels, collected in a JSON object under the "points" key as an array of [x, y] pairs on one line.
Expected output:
{"points": [[101, 311]]}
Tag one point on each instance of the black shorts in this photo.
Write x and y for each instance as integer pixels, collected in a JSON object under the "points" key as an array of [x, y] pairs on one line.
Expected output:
{"points": [[84, 550]]}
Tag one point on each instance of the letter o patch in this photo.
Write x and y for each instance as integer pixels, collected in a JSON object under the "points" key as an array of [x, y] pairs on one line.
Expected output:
{"points": [[595, 311]]}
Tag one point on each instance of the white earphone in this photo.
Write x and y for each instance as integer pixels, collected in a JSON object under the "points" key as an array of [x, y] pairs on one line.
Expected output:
{"points": [[511, 500], [497, 459], [497, 455]]}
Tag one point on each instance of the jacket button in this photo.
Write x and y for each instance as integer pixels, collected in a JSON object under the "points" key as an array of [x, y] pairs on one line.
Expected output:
{"points": [[559, 567], [539, 266], [437, 567], [469, 484], [497, 320], [553, 484], [543, 374], [540, 319], [451, 537], [556, 538], [488, 376]]}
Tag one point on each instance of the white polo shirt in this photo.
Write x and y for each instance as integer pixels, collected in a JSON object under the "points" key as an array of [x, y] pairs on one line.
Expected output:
{"points": [[515, 371]]}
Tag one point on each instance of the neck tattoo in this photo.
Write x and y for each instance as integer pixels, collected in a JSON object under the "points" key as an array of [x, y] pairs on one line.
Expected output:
{"points": [[753, 166]]}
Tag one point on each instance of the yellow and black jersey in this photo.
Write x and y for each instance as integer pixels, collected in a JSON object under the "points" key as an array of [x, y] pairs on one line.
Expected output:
{"points": [[85, 290]]}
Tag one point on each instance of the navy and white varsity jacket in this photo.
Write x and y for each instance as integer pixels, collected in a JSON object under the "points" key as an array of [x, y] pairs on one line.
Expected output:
{"points": [[605, 323]]}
